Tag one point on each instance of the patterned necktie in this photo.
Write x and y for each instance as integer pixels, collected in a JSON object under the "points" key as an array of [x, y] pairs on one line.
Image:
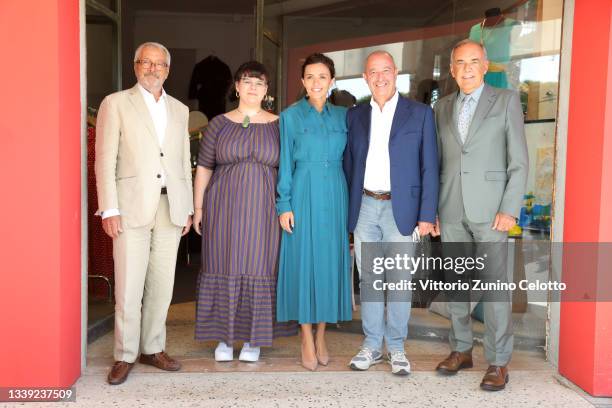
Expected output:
{"points": [[464, 119]]}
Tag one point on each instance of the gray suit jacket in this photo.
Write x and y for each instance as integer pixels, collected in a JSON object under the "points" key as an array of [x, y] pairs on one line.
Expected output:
{"points": [[487, 174]]}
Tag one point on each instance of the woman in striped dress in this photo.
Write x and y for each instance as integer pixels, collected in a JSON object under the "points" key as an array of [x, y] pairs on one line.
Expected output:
{"points": [[234, 197]]}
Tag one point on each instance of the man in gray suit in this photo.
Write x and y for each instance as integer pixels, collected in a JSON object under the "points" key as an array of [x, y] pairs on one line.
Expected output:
{"points": [[483, 175]]}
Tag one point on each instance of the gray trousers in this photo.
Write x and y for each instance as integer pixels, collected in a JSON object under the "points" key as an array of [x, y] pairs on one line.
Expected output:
{"points": [[498, 337]]}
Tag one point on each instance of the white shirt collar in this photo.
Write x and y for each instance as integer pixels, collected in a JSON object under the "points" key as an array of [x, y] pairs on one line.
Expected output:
{"points": [[390, 104], [148, 95]]}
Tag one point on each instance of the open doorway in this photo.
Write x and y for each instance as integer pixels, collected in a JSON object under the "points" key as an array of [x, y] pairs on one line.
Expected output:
{"points": [[195, 33], [418, 35]]}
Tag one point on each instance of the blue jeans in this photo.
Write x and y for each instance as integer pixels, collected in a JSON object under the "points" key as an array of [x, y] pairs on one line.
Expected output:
{"points": [[376, 224]]}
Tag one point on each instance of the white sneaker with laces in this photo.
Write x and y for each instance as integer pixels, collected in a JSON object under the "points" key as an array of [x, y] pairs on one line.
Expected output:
{"points": [[365, 358], [399, 363], [249, 354], [223, 352]]}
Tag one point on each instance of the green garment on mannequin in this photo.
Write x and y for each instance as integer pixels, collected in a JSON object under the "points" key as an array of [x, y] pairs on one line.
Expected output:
{"points": [[496, 40]]}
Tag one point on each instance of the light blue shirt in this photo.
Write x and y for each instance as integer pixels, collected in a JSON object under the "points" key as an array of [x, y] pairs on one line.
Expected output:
{"points": [[461, 96]]}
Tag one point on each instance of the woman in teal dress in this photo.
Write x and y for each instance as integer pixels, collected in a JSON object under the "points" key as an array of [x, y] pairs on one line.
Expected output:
{"points": [[314, 284]]}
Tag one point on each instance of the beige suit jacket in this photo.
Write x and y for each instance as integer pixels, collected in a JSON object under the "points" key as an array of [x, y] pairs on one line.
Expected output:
{"points": [[129, 159]]}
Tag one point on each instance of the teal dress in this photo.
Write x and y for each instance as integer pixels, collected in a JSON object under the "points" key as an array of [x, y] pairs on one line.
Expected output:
{"points": [[497, 41], [314, 276]]}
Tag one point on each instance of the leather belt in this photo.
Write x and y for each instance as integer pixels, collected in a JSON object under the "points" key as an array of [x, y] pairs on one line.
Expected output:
{"points": [[164, 191], [377, 196]]}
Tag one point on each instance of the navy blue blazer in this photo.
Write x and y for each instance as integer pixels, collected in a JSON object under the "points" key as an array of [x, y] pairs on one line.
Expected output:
{"points": [[413, 154]]}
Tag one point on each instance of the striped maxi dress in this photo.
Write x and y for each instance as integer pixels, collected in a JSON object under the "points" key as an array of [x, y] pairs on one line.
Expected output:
{"points": [[236, 297]]}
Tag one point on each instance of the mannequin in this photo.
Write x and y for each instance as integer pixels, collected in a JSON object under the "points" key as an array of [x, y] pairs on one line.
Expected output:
{"points": [[494, 34], [493, 12], [210, 82]]}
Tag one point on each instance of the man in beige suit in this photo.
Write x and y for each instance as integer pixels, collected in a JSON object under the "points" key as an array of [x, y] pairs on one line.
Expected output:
{"points": [[145, 200]]}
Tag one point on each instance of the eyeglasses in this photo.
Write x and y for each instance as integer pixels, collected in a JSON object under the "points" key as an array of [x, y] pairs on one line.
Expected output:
{"points": [[147, 64], [253, 82]]}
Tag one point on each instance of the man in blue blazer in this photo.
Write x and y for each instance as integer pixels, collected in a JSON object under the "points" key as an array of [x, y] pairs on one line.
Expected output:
{"points": [[391, 166]]}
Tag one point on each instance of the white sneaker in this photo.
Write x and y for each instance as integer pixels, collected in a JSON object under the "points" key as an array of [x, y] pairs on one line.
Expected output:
{"points": [[365, 358], [399, 363], [249, 354], [223, 352]]}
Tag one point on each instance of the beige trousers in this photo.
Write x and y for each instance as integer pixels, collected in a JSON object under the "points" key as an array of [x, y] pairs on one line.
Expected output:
{"points": [[145, 259]]}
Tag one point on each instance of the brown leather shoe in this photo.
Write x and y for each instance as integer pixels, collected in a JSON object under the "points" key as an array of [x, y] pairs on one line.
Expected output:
{"points": [[455, 362], [495, 379], [119, 373], [160, 360]]}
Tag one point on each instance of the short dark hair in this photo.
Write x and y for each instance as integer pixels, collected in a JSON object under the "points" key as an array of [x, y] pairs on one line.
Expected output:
{"points": [[252, 69], [318, 58], [342, 98]]}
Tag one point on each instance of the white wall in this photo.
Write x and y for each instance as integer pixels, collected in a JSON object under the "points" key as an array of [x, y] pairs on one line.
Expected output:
{"points": [[540, 141], [554, 311]]}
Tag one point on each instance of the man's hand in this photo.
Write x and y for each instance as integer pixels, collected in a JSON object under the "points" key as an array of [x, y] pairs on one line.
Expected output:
{"points": [[286, 221], [436, 229], [112, 226], [187, 226], [503, 222], [425, 228]]}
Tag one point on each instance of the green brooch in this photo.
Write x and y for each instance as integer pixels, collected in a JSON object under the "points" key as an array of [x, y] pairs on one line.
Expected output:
{"points": [[246, 121]]}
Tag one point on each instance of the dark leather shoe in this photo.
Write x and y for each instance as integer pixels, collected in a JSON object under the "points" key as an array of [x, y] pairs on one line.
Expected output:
{"points": [[455, 362], [495, 379], [119, 372], [160, 360]]}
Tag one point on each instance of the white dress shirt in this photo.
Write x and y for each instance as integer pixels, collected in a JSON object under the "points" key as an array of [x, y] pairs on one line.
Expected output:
{"points": [[159, 115], [378, 165]]}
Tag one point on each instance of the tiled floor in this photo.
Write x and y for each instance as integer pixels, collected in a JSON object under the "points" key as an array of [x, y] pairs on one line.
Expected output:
{"points": [[278, 380], [320, 389], [283, 356]]}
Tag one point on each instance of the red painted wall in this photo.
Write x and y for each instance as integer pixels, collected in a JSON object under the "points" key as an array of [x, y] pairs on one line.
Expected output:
{"points": [[40, 213], [585, 351]]}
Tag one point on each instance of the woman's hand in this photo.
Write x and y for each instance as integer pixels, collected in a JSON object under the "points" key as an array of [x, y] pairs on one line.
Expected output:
{"points": [[197, 220], [286, 221]]}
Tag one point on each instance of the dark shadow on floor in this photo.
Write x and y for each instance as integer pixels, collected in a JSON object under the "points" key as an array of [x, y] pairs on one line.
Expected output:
{"points": [[100, 311]]}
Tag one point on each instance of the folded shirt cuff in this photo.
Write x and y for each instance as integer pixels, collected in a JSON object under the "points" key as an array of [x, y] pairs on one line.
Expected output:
{"points": [[110, 213]]}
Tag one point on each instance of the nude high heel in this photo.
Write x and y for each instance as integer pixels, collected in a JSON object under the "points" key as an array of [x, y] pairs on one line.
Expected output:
{"points": [[323, 359], [308, 364]]}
